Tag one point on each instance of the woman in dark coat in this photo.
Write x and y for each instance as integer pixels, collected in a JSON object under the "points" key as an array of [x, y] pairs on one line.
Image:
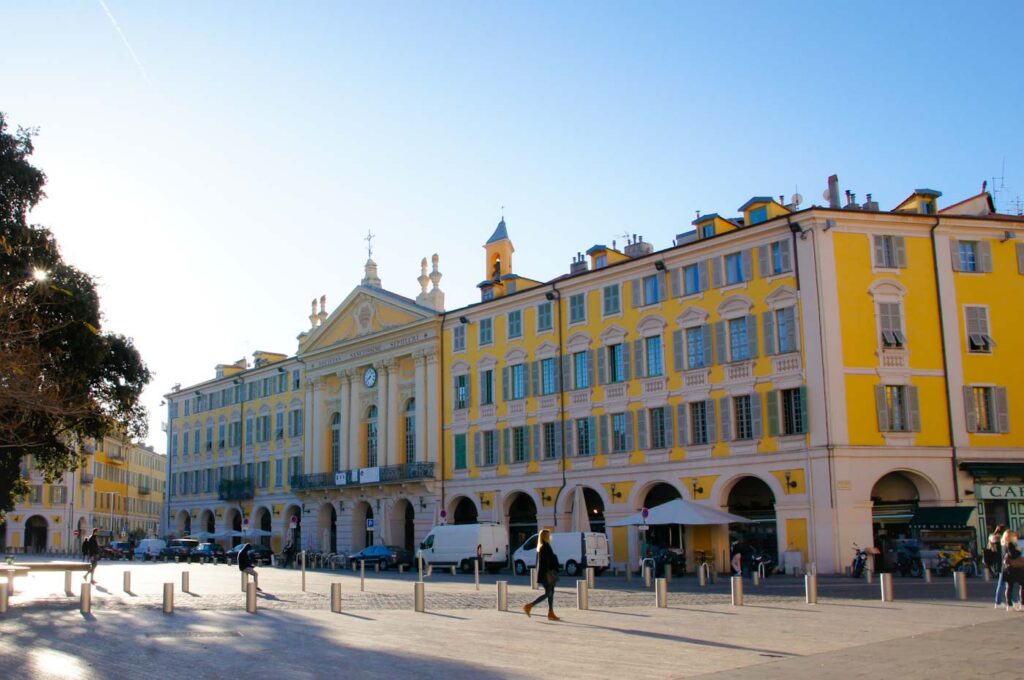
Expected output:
{"points": [[547, 574]]}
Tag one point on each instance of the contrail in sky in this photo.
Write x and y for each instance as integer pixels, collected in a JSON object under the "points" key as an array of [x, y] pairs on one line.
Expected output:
{"points": [[124, 39]]}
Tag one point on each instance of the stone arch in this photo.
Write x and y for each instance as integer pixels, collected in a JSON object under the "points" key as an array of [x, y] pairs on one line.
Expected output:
{"points": [[927, 489], [233, 522], [754, 497], [327, 528], [401, 524], [895, 497], [289, 533], [207, 521], [183, 523], [362, 538], [654, 493], [37, 534], [521, 517], [596, 504], [261, 521], [462, 510]]}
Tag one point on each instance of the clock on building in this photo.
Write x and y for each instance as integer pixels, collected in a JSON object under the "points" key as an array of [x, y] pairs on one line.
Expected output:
{"points": [[370, 377]]}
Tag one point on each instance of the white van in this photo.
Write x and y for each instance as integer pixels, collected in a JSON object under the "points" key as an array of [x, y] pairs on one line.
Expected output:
{"points": [[460, 544], [149, 548], [575, 550]]}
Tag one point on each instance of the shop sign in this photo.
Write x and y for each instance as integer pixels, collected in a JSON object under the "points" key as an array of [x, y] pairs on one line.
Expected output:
{"points": [[1001, 491]]}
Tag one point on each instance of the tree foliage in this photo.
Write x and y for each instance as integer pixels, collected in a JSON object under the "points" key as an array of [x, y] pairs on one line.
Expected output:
{"points": [[62, 379]]}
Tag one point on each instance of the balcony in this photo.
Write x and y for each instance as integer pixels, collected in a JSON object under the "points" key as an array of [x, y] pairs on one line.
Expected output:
{"points": [[144, 491], [86, 477], [236, 489], [391, 474]]}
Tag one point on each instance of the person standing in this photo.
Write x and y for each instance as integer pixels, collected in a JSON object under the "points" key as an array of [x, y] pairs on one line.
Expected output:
{"points": [[547, 574], [91, 549], [246, 564], [1013, 570], [994, 560]]}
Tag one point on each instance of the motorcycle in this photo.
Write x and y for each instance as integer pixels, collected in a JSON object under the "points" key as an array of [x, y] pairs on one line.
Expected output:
{"points": [[860, 560], [961, 560], [908, 562]]}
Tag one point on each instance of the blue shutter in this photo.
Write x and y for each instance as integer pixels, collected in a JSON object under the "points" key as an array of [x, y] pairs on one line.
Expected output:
{"points": [[638, 359], [635, 289], [794, 330], [755, 415], [626, 366], [711, 421], [558, 438], [768, 321], [590, 368], [803, 411], [772, 404], [677, 351], [506, 446], [677, 284], [629, 430], [670, 427], [681, 422], [476, 448], [641, 428], [566, 372], [787, 255], [705, 332], [702, 271], [535, 452], [602, 354], [592, 434], [752, 336], [535, 377], [725, 414], [570, 438], [716, 272], [721, 356]]}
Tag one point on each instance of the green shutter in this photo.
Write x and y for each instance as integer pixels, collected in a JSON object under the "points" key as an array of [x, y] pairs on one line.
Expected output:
{"points": [[881, 408], [803, 411], [641, 428], [969, 412], [752, 336], [768, 322], [592, 433], [755, 415], [677, 350], [913, 409], [772, 404], [604, 434], [724, 417], [1002, 409], [681, 422]]}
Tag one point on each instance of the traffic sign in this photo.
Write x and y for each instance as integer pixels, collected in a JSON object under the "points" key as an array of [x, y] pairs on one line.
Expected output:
{"points": [[295, 521], [644, 512], [642, 527], [369, 524]]}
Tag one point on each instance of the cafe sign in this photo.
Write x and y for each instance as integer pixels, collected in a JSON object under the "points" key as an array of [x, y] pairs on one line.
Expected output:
{"points": [[1001, 492]]}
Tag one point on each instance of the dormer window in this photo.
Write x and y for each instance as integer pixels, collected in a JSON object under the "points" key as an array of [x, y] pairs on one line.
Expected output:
{"points": [[758, 215], [600, 261], [707, 230]]}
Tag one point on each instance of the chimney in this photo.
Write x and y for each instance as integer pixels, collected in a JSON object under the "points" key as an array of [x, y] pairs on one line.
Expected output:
{"points": [[870, 205], [579, 264], [833, 192], [638, 247]]}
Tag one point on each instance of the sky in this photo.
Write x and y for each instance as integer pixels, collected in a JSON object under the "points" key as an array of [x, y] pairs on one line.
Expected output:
{"points": [[216, 165]]}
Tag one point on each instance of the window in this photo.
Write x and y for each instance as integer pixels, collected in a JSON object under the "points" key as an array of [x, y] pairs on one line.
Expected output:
{"points": [[978, 339], [278, 473], [371, 437], [655, 361], [774, 259], [488, 294], [336, 442], [296, 381], [209, 438], [490, 448], [616, 364], [742, 421], [890, 252], [579, 361], [583, 437], [459, 339], [295, 422], [486, 332], [658, 425], [619, 437], [897, 408], [734, 269], [651, 296], [739, 347], [520, 447], [794, 411], [249, 431], [461, 391], [550, 443], [262, 474], [544, 316], [969, 256], [697, 346], [577, 308], [691, 280], [600, 261], [486, 387], [547, 376], [987, 409], [460, 452], [279, 425], [58, 495], [195, 440], [698, 422], [515, 324], [889, 318], [517, 375], [707, 230], [785, 324], [758, 215], [612, 302], [410, 432]]}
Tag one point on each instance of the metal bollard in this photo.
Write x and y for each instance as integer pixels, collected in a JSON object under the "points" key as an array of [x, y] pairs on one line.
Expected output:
{"points": [[376, 567], [420, 560], [533, 578], [755, 578], [502, 596], [668, 574], [85, 604], [811, 588], [453, 570], [168, 598], [250, 598], [702, 579], [336, 598], [419, 597], [582, 595], [67, 584], [927, 575], [960, 584], [737, 591], [647, 576], [362, 576], [869, 576], [885, 581], [430, 570], [127, 582], [302, 559], [591, 578], [184, 582], [661, 593], [629, 574], [476, 574], [401, 568], [987, 574], [10, 581], [3, 598]]}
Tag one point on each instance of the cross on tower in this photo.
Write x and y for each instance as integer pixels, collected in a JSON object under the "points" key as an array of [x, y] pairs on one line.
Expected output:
{"points": [[369, 244]]}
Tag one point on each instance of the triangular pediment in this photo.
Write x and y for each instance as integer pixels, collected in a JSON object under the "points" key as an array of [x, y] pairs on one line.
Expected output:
{"points": [[365, 312]]}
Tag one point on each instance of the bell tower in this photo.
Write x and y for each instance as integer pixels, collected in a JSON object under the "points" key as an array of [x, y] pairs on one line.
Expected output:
{"points": [[499, 251]]}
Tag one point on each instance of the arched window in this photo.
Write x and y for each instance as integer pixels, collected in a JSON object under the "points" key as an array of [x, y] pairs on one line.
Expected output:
{"points": [[371, 437], [336, 442], [410, 431]]}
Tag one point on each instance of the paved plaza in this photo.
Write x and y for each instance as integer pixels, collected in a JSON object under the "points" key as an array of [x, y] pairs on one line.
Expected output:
{"points": [[925, 632]]}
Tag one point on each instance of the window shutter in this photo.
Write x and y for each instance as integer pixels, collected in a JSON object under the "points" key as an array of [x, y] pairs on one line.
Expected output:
{"points": [[677, 284], [720, 355], [592, 432], [710, 421], [535, 452], [724, 417], [747, 257], [772, 405], [972, 416], [506, 446], [1002, 409], [566, 372], [476, 448], [626, 365], [629, 430], [670, 427], [638, 358], [682, 413], [526, 378], [602, 358], [526, 444], [762, 261], [971, 320], [641, 428], [879, 251], [805, 424], [900, 247], [702, 271], [768, 321], [590, 368], [677, 350], [662, 293], [752, 336], [984, 256], [881, 408], [604, 433], [794, 318], [705, 332], [1020, 258], [570, 438], [913, 409], [535, 376], [716, 272], [504, 383], [954, 254], [755, 414], [455, 389], [787, 255], [635, 288], [558, 438]]}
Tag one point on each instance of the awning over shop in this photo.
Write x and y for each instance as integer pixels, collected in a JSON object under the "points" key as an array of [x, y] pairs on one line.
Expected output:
{"points": [[993, 469], [954, 517]]}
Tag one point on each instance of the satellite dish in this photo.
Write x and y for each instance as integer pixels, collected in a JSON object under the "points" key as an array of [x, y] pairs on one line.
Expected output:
{"points": [[796, 200], [827, 195]]}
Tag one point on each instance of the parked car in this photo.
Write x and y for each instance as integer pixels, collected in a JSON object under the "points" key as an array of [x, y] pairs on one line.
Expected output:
{"points": [[209, 552], [386, 556], [179, 548], [149, 548], [260, 553], [125, 547], [461, 544]]}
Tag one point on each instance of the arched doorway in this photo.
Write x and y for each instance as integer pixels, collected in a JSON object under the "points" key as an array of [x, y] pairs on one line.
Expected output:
{"points": [[327, 528], [894, 500], [183, 523], [361, 536], [595, 509], [666, 535], [293, 513], [206, 522], [522, 520], [262, 522], [236, 526], [402, 529], [750, 497], [36, 531], [465, 512], [410, 528]]}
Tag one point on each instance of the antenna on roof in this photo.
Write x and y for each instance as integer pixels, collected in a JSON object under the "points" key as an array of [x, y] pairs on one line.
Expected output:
{"points": [[796, 200], [998, 187]]}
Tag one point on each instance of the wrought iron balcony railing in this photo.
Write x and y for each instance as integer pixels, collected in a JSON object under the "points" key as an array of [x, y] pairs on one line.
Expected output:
{"points": [[236, 489], [391, 474]]}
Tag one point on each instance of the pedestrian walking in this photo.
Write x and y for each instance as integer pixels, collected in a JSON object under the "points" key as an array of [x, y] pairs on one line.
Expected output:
{"points": [[1013, 569], [993, 556], [247, 565], [91, 549], [547, 574]]}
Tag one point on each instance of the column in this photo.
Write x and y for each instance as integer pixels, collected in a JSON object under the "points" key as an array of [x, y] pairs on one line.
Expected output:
{"points": [[319, 427], [309, 405], [345, 409], [421, 407], [355, 425], [395, 441], [433, 419], [383, 383]]}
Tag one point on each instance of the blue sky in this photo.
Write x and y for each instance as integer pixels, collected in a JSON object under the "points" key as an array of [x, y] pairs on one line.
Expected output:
{"points": [[225, 178]]}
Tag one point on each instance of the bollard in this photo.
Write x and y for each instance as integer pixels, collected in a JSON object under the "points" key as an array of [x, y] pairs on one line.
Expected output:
{"points": [[127, 581], [811, 588], [10, 581], [502, 596], [591, 578], [250, 598], [647, 576], [419, 597], [184, 582], [847, 571], [629, 574], [376, 567], [336, 598], [273, 560], [869, 576], [533, 578], [245, 581], [85, 605], [302, 559], [3, 598], [755, 578], [960, 585], [67, 584], [661, 593], [927, 575], [737, 591], [702, 579], [168, 598], [582, 595], [476, 574], [175, 559], [987, 574], [885, 581], [420, 559], [668, 574], [430, 570], [401, 568], [453, 570], [362, 575]]}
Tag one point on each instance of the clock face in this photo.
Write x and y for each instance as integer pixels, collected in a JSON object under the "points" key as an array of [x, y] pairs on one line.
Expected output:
{"points": [[370, 377]]}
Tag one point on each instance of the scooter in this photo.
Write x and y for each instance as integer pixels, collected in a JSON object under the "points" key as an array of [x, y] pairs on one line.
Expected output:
{"points": [[908, 562], [960, 560], [860, 560]]}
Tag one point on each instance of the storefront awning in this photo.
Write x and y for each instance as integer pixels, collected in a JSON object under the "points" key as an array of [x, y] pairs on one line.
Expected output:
{"points": [[993, 469], [942, 518]]}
